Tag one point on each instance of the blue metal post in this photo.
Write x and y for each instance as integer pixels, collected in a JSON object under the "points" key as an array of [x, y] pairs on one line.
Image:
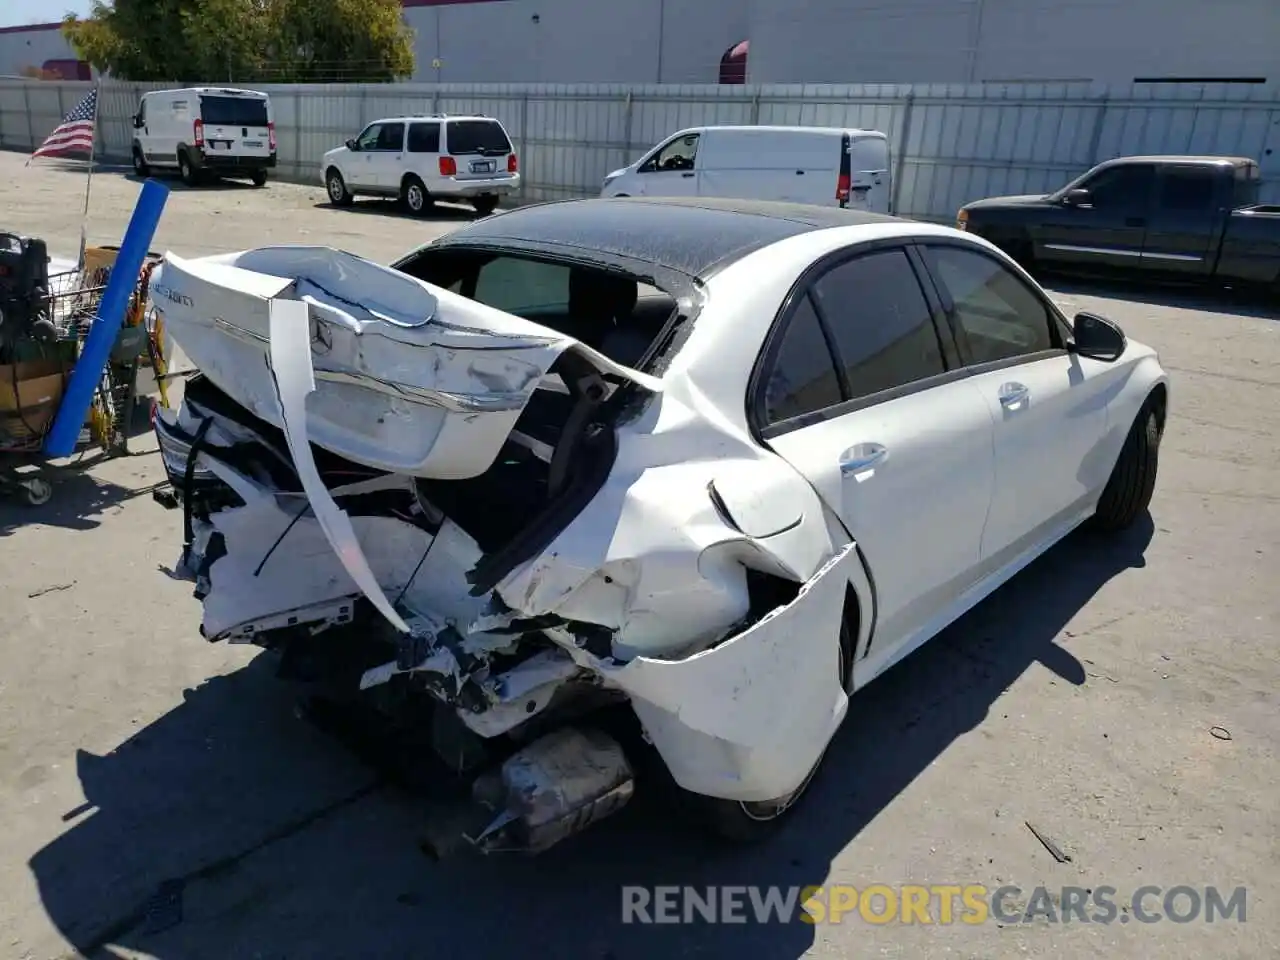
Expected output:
{"points": [[87, 374]]}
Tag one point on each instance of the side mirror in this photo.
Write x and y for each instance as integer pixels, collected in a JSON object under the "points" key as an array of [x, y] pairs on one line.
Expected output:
{"points": [[1077, 197], [137, 121], [352, 145], [1097, 338]]}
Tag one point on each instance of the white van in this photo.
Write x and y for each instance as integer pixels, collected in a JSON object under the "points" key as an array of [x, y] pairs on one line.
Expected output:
{"points": [[828, 166], [204, 133]]}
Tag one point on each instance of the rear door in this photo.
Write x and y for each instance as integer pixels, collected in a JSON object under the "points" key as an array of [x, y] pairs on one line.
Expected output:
{"points": [[1192, 201], [1110, 229], [1049, 407], [670, 170], [480, 149], [869, 173], [236, 124], [423, 149], [856, 391]]}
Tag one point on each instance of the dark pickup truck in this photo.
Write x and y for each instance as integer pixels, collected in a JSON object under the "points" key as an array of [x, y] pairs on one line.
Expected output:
{"points": [[1166, 218]]}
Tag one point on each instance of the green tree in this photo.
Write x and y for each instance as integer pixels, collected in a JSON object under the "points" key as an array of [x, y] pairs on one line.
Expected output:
{"points": [[281, 41]]}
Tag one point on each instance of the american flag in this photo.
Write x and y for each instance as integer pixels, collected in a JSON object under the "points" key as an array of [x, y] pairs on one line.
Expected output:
{"points": [[75, 133]]}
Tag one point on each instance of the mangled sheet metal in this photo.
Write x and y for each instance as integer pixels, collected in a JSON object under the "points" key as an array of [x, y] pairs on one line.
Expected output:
{"points": [[411, 378]]}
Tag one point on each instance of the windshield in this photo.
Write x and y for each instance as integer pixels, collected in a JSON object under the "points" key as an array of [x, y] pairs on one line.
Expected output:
{"points": [[233, 111], [485, 137]]}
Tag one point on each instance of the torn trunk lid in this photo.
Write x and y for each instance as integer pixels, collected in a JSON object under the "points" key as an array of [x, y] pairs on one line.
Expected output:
{"points": [[410, 378]]}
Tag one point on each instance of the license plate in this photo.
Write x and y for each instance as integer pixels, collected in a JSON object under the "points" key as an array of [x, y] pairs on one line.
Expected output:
{"points": [[219, 144], [253, 143], [482, 166]]}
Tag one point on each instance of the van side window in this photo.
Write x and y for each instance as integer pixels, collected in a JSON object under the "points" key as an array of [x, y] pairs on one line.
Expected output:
{"points": [[424, 138], [679, 154]]}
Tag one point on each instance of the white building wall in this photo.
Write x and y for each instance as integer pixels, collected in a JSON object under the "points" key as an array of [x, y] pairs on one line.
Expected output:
{"points": [[20, 49], [967, 41], [575, 41]]}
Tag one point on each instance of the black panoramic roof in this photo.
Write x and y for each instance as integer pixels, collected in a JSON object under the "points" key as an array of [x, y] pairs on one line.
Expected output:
{"points": [[692, 236]]}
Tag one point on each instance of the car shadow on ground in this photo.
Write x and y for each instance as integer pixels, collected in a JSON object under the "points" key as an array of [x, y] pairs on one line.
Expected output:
{"points": [[1245, 302], [440, 212], [216, 777], [79, 498]]}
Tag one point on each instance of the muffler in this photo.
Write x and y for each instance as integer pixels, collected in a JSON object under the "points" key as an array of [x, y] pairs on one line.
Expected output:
{"points": [[551, 789]]}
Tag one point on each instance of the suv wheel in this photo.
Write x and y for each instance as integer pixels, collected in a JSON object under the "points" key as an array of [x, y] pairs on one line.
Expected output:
{"points": [[187, 171], [337, 190], [140, 162], [485, 204], [415, 196]]}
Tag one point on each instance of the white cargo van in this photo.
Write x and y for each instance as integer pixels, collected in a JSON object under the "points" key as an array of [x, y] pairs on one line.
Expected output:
{"points": [[205, 132], [829, 166]]}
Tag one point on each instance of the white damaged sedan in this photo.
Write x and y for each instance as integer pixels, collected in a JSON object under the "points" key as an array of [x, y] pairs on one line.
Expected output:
{"points": [[724, 462]]}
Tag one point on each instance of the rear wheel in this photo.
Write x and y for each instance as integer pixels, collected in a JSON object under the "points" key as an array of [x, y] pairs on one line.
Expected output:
{"points": [[741, 822], [1133, 481], [336, 188], [259, 178], [485, 204], [140, 162], [413, 192], [187, 170]]}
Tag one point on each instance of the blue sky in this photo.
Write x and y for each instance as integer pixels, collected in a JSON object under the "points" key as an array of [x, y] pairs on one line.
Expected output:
{"points": [[13, 12]]}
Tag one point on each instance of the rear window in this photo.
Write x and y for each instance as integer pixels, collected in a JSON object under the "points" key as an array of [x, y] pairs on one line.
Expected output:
{"points": [[477, 136], [233, 111]]}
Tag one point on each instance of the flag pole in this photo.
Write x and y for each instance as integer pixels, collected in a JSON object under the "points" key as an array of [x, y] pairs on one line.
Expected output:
{"points": [[88, 186]]}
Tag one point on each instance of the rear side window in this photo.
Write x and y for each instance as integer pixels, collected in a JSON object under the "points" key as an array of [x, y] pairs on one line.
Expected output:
{"points": [[880, 323], [1245, 187], [484, 137], [802, 378], [1187, 189], [391, 137], [999, 316], [424, 138], [233, 111]]}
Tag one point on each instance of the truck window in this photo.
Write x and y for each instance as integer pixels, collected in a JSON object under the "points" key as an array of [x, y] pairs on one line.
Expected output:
{"points": [[1187, 189], [1125, 187], [1245, 187]]}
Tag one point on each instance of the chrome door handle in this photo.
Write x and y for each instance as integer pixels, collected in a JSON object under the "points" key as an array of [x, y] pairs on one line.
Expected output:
{"points": [[1013, 395], [861, 457]]}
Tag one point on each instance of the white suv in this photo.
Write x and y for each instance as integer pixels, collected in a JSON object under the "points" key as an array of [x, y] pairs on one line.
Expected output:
{"points": [[424, 159]]}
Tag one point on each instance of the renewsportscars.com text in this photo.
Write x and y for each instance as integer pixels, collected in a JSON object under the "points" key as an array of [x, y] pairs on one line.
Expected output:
{"points": [[942, 904]]}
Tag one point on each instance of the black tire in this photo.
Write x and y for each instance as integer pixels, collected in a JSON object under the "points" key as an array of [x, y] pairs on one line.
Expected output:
{"points": [[1133, 480], [140, 167], [259, 178], [187, 170], [485, 204], [743, 823], [415, 196], [336, 188]]}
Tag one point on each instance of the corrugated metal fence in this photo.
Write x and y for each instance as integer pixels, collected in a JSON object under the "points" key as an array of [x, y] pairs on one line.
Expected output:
{"points": [[952, 143]]}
